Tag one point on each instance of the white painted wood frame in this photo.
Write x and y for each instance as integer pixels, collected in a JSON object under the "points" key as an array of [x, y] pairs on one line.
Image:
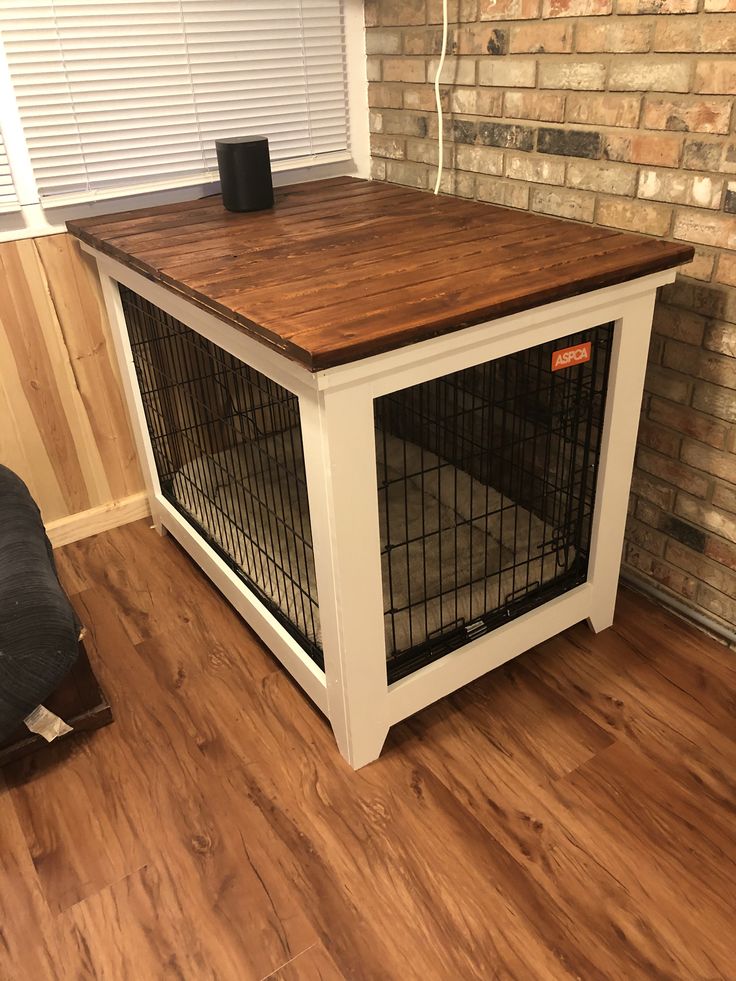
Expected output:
{"points": [[337, 418]]}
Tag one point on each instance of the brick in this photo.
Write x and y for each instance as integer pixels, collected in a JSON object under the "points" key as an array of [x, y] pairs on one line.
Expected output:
{"points": [[687, 534], [535, 169], [688, 422], [661, 150], [658, 438], [716, 400], [721, 338], [564, 203], [668, 384], [383, 42], [701, 155], [509, 9], [729, 158], [370, 13], [673, 579], [455, 71], [576, 8], [462, 130], [721, 551], [695, 226], [570, 142], [635, 216], [375, 121], [673, 472], [384, 96], [572, 75], [388, 146], [602, 176], [506, 135], [481, 102], [427, 151], [647, 538], [654, 490], [711, 301], [619, 36], [715, 77], [534, 105], [604, 110], [649, 75], [701, 265], [716, 34], [481, 39], [374, 68], [411, 174], [421, 98], [724, 496], [648, 513], [638, 559], [709, 366], [720, 6], [479, 159], [686, 115], [680, 325], [403, 123], [405, 13], [701, 567], [510, 194], [677, 188], [508, 73], [464, 184], [421, 41], [378, 169], [726, 272], [403, 70], [717, 604], [551, 38], [712, 461], [656, 6], [729, 204], [459, 11], [720, 522]]}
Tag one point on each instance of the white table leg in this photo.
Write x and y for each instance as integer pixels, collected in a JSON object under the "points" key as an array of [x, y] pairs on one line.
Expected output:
{"points": [[340, 453], [623, 406]]}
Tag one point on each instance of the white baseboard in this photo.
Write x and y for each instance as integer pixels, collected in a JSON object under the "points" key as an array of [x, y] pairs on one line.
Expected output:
{"points": [[102, 518]]}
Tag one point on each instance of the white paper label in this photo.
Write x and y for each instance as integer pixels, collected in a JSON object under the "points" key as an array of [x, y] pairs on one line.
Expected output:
{"points": [[46, 724]]}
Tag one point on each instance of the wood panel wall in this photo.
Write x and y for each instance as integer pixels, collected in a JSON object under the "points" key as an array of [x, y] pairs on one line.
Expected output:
{"points": [[63, 422]]}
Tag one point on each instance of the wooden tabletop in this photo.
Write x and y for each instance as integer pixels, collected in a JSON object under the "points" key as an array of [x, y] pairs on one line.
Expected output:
{"points": [[341, 269]]}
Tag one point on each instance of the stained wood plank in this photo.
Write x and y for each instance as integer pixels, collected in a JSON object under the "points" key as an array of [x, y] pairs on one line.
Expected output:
{"points": [[567, 816], [64, 426], [294, 276]]}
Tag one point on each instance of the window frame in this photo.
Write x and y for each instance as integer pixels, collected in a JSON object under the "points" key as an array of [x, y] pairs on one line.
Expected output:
{"points": [[36, 219]]}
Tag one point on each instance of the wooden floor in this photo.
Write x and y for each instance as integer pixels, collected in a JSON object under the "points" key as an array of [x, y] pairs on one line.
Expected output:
{"points": [[569, 816]]}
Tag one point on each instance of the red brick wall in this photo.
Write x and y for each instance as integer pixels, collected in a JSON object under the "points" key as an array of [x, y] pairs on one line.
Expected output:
{"points": [[620, 113]]}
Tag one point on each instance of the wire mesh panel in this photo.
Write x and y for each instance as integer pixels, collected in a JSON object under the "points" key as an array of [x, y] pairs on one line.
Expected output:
{"points": [[228, 450], [486, 491]]}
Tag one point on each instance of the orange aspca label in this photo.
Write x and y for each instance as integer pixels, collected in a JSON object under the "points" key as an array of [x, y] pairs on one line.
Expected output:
{"points": [[567, 356]]}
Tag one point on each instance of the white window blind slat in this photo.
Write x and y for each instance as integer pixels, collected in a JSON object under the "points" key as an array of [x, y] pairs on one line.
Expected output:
{"points": [[120, 95], [8, 198]]}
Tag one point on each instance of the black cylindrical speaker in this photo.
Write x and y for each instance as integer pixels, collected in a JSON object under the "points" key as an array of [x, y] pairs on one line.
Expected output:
{"points": [[245, 173]]}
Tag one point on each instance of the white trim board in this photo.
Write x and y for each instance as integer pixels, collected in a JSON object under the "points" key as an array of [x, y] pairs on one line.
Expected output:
{"points": [[83, 524]]}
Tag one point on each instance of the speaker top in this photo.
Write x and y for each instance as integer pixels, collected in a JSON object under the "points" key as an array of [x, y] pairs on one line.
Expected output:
{"points": [[228, 140]]}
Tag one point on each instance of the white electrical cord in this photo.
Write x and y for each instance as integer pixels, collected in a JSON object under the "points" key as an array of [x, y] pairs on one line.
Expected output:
{"points": [[438, 100]]}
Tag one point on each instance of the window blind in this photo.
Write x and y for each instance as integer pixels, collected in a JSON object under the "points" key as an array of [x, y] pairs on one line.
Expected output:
{"points": [[132, 94], [8, 199]]}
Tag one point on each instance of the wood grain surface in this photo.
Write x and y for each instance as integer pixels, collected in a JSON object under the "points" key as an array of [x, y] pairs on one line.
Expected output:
{"points": [[568, 816], [343, 268], [63, 424]]}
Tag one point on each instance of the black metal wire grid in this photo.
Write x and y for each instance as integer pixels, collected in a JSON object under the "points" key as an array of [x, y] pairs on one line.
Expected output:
{"points": [[504, 459], [228, 451]]}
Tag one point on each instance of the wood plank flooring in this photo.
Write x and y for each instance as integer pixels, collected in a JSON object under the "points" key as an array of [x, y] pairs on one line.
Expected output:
{"points": [[571, 815]]}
